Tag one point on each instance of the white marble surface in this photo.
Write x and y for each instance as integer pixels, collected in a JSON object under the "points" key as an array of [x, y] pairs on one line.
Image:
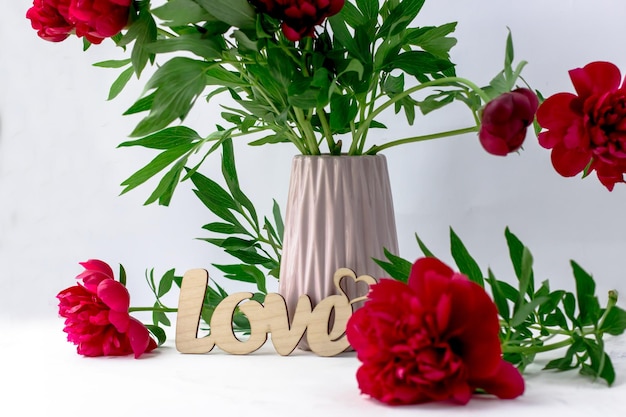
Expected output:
{"points": [[43, 375]]}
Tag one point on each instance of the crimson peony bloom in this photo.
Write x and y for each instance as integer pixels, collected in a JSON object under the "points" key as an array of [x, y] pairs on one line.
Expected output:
{"points": [[434, 339], [51, 19], [95, 20], [99, 19], [588, 130], [299, 17], [96, 315], [505, 120]]}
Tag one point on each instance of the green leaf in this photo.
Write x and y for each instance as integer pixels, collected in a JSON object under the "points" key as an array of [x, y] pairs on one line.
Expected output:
{"points": [[418, 63], [498, 296], [343, 37], [224, 228], [601, 365], [165, 284], [569, 304], [352, 15], [122, 275], [117, 63], [509, 56], [143, 31], [141, 105], [525, 310], [181, 13], [464, 261], [423, 247], [157, 332], [394, 85], [588, 305], [516, 249], [249, 257], [278, 220], [236, 273], [270, 139], [238, 13], [526, 277], [177, 83], [564, 363], [433, 39], [236, 243], [155, 166], [229, 171], [168, 138], [218, 197], [119, 84], [615, 321], [198, 44], [400, 17], [159, 316], [398, 268], [369, 8]]}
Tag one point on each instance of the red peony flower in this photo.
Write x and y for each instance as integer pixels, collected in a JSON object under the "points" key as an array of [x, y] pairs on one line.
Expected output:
{"points": [[99, 19], [299, 17], [55, 20], [588, 130], [434, 339], [96, 315], [51, 19], [505, 119]]}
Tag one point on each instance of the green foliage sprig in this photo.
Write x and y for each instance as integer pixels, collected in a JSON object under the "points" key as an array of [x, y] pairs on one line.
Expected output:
{"points": [[322, 94], [255, 245], [534, 318]]}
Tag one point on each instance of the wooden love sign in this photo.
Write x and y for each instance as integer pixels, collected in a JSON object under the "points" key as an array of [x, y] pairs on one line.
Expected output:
{"points": [[324, 338]]}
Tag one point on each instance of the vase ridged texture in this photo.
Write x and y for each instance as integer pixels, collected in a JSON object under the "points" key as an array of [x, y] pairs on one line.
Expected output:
{"points": [[339, 214]]}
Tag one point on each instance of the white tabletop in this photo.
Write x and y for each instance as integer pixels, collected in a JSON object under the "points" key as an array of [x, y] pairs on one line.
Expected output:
{"points": [[42, 375]]}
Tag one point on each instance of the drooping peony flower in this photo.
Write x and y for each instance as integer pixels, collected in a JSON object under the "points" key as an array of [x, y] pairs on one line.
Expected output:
{"points": [[505, 120], [95, 20], [96, 315], [434, 339], [588, 130], [299, 17], [50, 18]]}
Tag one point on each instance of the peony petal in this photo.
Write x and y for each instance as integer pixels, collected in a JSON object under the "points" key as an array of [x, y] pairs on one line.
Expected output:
{"points": [[474, 327], [595, 78], [96, 265], [95, 272], [119, 319], [569, 162], [556, 112], [114, 295], [139, 337], [493, 144], [423, 271], [506, 383], [290, 33]]}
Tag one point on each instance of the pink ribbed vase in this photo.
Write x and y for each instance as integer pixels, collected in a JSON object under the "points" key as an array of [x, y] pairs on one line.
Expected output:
{"points": [[339, 214]]}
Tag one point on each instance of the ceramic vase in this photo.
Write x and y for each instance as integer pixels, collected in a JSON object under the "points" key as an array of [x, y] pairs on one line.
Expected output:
{"points": [[339, 214]]}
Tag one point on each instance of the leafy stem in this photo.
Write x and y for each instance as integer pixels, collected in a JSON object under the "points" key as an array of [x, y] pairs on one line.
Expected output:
{"points": [[377, 148], [445, 81]]}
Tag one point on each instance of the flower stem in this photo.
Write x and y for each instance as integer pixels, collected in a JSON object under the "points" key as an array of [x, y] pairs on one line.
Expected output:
{"points": [[377, 148], [538, 349], [327, 131], [159, 309], [433, 83]]}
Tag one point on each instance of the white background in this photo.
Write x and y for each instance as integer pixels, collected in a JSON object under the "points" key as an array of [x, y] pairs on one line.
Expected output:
{"points": [[60, 170]]}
